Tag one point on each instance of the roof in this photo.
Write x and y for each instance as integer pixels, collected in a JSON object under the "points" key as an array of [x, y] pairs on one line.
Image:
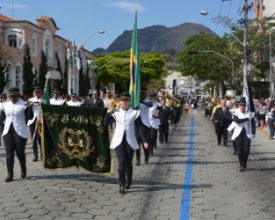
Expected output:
{"points": [[5, 18], [46, 19]]}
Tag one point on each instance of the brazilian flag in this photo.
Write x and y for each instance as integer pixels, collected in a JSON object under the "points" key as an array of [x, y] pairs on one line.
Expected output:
{"points": [[75, 137]]}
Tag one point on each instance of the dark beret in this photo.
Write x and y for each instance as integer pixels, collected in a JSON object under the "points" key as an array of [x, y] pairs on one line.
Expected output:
{"points": [[242, 100], [37, 89], [154, 94], [125, 95], [73, 94], [3, 95], [14, 91], [56, 90]]}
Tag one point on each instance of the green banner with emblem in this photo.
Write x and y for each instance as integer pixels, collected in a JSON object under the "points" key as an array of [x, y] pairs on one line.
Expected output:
{"points": [[75, 137]]}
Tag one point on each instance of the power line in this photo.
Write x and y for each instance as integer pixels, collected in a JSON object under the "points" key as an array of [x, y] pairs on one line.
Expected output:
{"points": [[218, 16]]}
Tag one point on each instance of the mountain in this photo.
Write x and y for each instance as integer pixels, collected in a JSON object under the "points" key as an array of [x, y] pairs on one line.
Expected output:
{"points": [[158, 38]]}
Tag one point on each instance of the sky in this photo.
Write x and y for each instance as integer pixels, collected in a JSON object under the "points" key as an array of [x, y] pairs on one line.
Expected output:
{"points": [[78, 20]]}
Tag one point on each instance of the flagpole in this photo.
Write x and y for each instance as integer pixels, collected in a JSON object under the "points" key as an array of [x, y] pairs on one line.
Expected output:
{"points": [[48, 75]]}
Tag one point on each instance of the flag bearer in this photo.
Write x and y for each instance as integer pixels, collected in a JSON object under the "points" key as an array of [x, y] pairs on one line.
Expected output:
{"points": [[124, 141]]}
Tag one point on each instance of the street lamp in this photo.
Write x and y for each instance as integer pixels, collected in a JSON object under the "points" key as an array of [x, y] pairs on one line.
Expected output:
{"points": [[244, 44], [98, 32]]}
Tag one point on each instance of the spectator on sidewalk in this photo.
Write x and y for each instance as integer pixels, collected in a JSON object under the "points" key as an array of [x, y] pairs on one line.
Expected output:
{"points": [[270, 119]]}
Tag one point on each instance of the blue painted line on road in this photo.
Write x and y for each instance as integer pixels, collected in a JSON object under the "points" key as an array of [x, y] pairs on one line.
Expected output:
{"points": [[186, 195]]}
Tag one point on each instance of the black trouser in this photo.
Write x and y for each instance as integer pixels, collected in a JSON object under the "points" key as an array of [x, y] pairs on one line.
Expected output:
{"points": [[222, 132], [14, 143], [1, 131], [163, 132], [243, 145], [140, 142], [124, 153], [153, 139], [35, 139]]}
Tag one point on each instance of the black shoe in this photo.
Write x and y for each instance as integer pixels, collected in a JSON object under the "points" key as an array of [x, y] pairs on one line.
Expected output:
{"points": [[235, 152], [9, 178], [121, 189], [241, 169], [23, 173], [219, 143], [146, 161], [151, 154], [161, 142], [225, 145], [137, 163], [35, 158], [166, 142]]}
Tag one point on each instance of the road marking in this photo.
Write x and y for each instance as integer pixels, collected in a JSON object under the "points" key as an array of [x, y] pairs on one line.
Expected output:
{"points": [[67, 189], [185, 199]]}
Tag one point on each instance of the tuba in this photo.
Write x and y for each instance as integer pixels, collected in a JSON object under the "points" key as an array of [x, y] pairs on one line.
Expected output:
{"points": [[172, 101]]}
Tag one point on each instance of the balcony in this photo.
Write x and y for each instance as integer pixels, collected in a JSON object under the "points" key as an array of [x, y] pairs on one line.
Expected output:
{"points": [[51, 62]]}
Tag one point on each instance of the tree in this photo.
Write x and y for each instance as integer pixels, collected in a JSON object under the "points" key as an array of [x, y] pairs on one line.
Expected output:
{"points": [[28, 75], [115, 68], [81, 82], [208, 66], [3, 78], [59, 83], [43, 69], [87, 79], [5, 55]]}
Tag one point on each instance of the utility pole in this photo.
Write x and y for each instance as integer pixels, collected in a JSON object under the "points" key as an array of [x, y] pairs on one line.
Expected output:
{"points": [[246, 51]]}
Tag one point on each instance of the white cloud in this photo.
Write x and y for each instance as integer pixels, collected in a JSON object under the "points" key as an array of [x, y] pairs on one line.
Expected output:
{"points": [[129, 7], [16, 6]]}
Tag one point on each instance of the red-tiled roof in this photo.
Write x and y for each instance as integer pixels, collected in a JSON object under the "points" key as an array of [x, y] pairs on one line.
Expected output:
{"points": [[5, 18], [46, 19]]}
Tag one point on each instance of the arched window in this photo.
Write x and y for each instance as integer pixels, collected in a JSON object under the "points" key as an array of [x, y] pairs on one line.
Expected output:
{"points": [[48, 47], [34, 46], [59, 52]]}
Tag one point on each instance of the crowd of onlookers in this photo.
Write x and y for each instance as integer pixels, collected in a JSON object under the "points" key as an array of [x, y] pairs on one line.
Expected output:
{"points": [[264, 111]]}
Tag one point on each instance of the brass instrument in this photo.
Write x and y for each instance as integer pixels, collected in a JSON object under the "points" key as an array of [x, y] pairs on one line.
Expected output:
{"points": [[172, 101]]}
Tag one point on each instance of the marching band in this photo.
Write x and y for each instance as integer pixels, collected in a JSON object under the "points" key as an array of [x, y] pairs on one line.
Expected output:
{"points": [[142, 129]]}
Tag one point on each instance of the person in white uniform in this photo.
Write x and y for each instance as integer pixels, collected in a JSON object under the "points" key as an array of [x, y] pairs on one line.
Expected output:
{"points": [[56, 100], [36, 106], [15, 133], [73, 101], [3, 98], [124, 141], [242, 134]]}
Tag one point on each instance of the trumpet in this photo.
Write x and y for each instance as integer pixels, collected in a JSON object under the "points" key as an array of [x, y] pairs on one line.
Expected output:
{"points": [[172, 101]]}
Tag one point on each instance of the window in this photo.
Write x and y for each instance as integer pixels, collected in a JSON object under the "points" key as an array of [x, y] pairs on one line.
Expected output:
{"points": [[34, 46], [58, 52], [12, 40], [48, 47]]}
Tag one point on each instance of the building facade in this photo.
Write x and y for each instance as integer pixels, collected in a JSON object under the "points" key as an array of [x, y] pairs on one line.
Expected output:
{"points": [[264, 8], [15, 34]]}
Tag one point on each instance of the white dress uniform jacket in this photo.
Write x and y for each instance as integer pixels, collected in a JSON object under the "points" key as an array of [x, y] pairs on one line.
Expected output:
{"points": [[125, 122], [73, 103], [58, 101], [239, 126], [154, 122], [144, 113], [35, 109], [15, 113]]}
